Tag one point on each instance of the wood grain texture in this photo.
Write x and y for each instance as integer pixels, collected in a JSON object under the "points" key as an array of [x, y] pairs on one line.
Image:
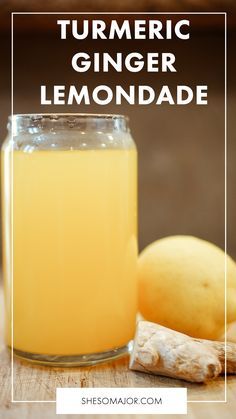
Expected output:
{"points": [[40, 383]]}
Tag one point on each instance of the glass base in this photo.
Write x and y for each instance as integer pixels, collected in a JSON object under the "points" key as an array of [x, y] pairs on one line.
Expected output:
{"points": [[74, 360]]}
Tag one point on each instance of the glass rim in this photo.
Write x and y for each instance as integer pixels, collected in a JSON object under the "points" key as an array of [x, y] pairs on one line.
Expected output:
{"points": [[54, 115], [38, 122]]}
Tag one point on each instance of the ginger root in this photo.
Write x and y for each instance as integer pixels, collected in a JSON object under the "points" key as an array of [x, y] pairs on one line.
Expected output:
{"points": [[219, 347], [162, 351]]}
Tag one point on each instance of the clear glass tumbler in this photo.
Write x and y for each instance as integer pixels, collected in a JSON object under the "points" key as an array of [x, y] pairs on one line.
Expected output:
{"points": [[69, 237]]}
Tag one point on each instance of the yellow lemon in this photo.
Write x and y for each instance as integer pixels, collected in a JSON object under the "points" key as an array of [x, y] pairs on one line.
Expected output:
{"points": [[182, 286]]}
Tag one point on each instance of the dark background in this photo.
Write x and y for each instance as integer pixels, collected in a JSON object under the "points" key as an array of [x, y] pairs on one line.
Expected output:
{"points": [[181, 148]]}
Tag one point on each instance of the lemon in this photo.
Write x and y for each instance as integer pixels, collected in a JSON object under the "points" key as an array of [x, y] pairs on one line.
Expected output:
{"points": [[182, 286]]}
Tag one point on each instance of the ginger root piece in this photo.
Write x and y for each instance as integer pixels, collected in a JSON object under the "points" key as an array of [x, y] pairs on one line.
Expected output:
{"points": [[162, 351], [219, 347]]}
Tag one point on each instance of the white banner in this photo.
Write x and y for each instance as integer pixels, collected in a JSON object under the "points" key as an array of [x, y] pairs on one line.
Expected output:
{"points": [[121, 401]]}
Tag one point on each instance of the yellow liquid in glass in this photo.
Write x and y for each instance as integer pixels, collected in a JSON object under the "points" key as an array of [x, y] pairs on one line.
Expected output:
{"points": [[74, 250]]}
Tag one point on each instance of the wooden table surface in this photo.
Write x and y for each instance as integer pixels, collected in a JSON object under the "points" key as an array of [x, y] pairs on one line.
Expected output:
{"points": [[40, 383]]}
